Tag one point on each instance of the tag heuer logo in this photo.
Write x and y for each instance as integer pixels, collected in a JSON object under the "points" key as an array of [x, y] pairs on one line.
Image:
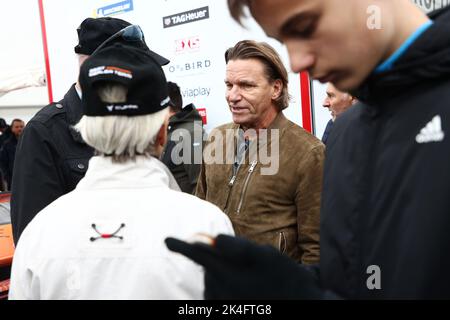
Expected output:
{"points": [[186, 17]]}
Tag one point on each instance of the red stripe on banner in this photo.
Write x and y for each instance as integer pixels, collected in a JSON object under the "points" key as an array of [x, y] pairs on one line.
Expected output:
{"points": [[46, 56], [305, 90]]}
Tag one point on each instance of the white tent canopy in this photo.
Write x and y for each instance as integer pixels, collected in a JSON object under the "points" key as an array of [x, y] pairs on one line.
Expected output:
{"points": [[21, 79]]}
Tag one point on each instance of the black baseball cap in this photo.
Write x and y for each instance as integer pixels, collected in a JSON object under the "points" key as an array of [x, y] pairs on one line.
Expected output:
{"points": [[132, 67], [132, 35], [92, 32]]}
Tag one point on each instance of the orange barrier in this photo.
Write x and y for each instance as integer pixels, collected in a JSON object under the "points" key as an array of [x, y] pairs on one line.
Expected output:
{"points": [[6, 250], [6, 245], [4, 288]]}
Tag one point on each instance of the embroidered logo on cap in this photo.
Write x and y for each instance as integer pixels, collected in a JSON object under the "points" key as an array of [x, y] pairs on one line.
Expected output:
{"points": [[110, 70], [165, 101], [112, 108]]}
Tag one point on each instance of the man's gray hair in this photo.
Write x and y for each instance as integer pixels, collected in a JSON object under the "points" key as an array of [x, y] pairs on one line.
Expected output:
{"points": [[121, 137]]}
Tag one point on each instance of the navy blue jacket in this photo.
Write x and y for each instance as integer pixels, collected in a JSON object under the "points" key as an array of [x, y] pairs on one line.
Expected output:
{"points": [[386, 199], [327, 131]]}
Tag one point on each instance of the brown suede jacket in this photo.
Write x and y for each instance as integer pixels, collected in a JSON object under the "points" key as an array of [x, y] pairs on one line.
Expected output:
{"points": [[282, 209]]}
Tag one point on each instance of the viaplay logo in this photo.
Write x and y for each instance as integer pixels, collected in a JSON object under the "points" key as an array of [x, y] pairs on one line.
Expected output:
{"points": [[186, 17]]}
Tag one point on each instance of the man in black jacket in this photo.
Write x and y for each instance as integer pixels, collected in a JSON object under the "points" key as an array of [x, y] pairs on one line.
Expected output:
{"points": [[183, 151], [8, 151], [385, 203], [337, 103], [51, 156], [5, 133]]}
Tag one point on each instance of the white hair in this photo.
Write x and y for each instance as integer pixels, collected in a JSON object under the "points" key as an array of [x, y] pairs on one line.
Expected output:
{"points": [[121, 137]]}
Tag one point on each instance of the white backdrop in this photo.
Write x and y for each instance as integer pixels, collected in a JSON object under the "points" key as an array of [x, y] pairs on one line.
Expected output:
{"points": [[22, 39], [198, 67], [196, 49], [21, 53]]}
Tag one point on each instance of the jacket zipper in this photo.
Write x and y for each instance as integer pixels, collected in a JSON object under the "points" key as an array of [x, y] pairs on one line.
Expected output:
{"points": [[366, 205], [281, 240], [244, 189], [230, 186]]}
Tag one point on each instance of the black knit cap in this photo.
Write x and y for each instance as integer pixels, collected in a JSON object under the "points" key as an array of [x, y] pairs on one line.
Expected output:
{"points": [[132, 67], [94, 31]]}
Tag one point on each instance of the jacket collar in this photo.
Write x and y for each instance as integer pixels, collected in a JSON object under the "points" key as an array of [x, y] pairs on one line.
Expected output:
{"points": [[72, 106], [74, 112], [188, 114], [279, 123], [425, 61], [145, 172]]}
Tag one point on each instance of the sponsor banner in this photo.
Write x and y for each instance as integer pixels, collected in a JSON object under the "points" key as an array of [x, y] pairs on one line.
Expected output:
{"points": [[195, 50], [202, 112], [189, 68], [195, 92], [186, 17], [187, 45], [116, 8]]}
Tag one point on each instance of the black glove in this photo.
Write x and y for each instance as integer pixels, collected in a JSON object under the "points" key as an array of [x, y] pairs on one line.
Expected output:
{"points": [[236, 268]]}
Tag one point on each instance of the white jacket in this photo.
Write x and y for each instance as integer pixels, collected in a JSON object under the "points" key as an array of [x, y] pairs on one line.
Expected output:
{"points": [[57, 259]]}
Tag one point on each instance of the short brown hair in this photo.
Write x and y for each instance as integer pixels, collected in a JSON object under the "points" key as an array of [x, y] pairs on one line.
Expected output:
{"points": [[16, 120], [274, 67], [236, 8], [176, 100]]}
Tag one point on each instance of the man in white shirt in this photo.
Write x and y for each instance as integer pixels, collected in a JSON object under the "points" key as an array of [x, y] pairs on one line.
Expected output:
{"points": [[105, 239]]}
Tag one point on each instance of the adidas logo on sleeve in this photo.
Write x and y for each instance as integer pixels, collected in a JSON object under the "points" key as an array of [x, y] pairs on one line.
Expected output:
{"points": [[432, 132]]}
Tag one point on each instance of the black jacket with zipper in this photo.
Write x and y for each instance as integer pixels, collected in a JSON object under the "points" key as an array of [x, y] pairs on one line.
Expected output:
{"points": [[51, 158], [7, 155], [188, 121], [386, 201]]}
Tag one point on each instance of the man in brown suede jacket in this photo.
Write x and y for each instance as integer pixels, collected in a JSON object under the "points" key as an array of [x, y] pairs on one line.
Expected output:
{"points": [[262, 170]]}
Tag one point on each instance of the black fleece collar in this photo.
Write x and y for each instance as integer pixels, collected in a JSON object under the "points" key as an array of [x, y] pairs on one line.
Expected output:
{"points": [[428, 59], [72, 106]]}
